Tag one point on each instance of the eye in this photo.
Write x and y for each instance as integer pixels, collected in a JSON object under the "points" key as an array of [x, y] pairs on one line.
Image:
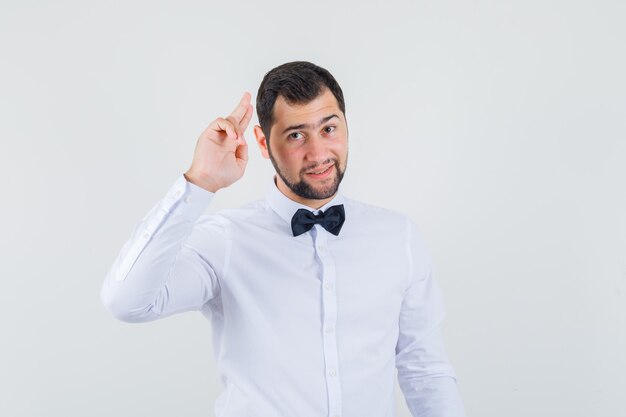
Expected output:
{"points": [[329, 129], [295, 135]]}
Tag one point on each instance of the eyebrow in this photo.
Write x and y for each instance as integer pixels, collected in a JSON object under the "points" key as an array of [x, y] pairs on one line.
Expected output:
{"points": [[305, 125]]}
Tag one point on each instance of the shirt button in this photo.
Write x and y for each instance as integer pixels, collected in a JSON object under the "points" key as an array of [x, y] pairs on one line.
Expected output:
{"points": [[333, 372], [146, 235], [328, 286], [187, 199], [177, 193], [322, 248], [329, 330]]}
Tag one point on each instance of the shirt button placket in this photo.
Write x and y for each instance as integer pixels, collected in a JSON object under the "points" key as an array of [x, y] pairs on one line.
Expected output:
{"points": [[329, 324]]}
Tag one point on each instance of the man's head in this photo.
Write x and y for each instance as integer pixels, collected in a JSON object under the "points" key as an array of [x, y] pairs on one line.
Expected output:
{"points": [[303, 130]]}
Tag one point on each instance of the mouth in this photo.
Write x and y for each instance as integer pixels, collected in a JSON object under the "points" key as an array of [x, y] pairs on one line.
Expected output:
{"points": [[321, 174]]}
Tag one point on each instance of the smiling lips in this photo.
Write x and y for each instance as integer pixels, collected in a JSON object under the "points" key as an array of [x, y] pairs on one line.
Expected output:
{"points": [[324, 173]]}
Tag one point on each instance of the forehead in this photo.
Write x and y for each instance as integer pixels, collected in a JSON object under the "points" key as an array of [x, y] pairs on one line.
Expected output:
{"points": [[286, 114]]}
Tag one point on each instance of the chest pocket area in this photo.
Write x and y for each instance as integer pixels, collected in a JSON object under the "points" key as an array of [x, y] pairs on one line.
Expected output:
{"points": [[232, 402]]}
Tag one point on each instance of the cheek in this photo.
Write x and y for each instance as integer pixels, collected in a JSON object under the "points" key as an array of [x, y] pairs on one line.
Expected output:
{"points": [[289, 158], [340, 149]]}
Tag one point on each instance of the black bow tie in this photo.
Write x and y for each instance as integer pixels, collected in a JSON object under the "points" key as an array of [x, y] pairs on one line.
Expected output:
{"points": [[332, 219]]}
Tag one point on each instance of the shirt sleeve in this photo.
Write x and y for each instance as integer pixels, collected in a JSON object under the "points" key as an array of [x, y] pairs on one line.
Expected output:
{"points": [[426, 377], [172, 261]]}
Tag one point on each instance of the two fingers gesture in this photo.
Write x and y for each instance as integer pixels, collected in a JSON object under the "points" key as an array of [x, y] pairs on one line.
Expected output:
{"points": [[221, 153]]}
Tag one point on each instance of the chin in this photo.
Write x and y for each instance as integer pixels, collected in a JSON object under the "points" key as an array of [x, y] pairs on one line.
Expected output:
{"points": [[326, 190]]}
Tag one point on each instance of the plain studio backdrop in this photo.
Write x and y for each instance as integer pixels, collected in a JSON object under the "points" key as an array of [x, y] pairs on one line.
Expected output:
{"points": [[498, 126]]}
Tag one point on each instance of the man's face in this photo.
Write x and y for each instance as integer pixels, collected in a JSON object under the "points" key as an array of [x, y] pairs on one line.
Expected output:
{"points": [[306, 139]]}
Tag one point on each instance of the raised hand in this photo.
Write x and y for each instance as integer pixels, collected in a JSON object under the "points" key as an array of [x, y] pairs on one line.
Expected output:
{"points": [[221, 153]]}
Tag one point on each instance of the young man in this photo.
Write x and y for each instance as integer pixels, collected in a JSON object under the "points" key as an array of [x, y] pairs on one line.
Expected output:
{"points": [[315, 299]]}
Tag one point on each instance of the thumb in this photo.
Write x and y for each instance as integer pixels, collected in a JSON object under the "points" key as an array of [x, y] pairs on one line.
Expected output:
{"points": [[242, 151]]}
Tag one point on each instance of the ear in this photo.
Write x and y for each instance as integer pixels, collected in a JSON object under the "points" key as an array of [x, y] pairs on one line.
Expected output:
{"points": [[261, 141]]}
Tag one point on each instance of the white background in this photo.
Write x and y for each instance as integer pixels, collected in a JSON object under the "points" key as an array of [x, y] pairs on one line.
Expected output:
{"points": [[499, 126]]}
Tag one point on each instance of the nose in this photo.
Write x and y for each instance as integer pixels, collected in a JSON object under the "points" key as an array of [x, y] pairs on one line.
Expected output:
{"points": [[317, 150]]}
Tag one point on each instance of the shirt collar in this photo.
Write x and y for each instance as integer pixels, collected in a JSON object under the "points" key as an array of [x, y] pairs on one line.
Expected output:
{"points": [[286, 207]]}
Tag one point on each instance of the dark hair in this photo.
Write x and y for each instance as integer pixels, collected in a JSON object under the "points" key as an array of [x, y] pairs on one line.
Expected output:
{"points": [[297, 82]]}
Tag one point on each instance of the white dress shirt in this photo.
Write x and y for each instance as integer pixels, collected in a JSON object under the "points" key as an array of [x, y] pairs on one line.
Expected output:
{"points": [[308, 326]]}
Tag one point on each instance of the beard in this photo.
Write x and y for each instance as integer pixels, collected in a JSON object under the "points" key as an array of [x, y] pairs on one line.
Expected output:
{"points": [[304, 189]]}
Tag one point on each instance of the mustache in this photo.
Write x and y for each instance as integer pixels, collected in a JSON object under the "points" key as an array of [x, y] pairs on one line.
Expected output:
{"points": [[325, 163]]}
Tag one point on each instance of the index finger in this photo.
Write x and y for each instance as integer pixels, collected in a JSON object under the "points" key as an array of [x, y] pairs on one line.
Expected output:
{"points": [[246, 118], [242, 107]]}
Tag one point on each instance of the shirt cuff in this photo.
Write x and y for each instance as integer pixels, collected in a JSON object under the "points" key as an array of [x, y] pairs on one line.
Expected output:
{"points": [[187, 200]]}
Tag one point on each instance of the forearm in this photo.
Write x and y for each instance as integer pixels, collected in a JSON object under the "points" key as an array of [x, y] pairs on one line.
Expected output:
{"points": [[135, 288], [434, 397]]}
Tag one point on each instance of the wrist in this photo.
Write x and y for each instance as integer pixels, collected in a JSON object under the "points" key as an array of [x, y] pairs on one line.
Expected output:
{"points": [[202, 183]]}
